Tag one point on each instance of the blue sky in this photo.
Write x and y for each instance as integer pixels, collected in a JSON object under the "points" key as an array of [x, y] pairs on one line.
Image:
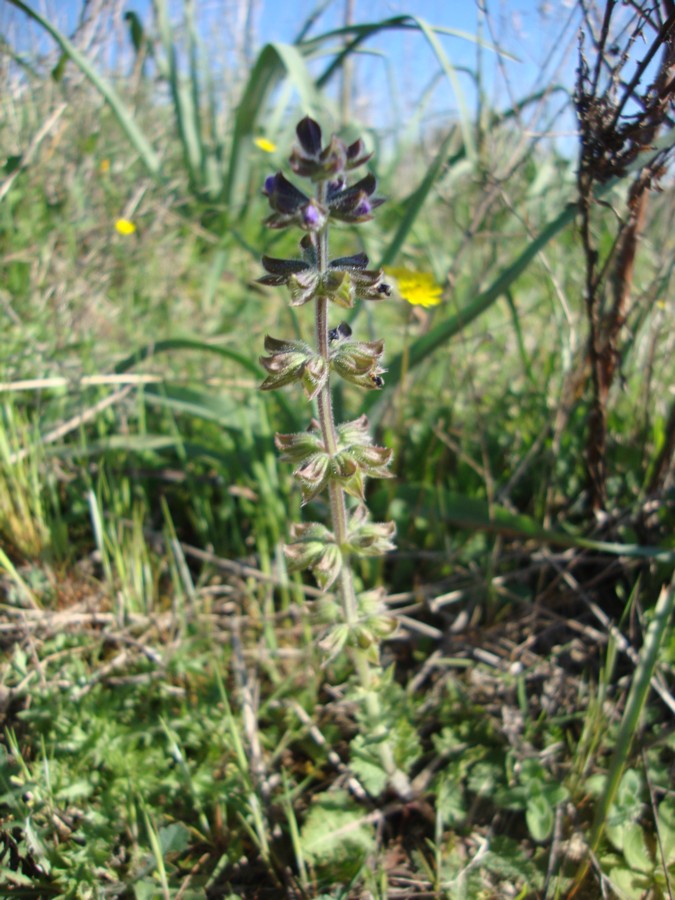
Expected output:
{"points": [[541, 38], [394, 69]]}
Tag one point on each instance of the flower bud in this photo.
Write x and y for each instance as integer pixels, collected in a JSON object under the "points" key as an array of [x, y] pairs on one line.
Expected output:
{"points": [[314, 376], [356, 154], [363, 283], [353, 204], [292, 361], [370, 538], [299, 275], [309, 136], [313, 475], [373, 461], [354, 432], [310, 160], [302, 287], [296, 448], [291, 206], [358, 361], [314, 548], [286, 364], [343, 330]]}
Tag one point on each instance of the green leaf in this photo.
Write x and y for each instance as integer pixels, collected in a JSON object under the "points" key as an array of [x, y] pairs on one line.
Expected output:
{"points": [[539, 817], [336, 834], [473, 513], [366, 763], [628, 885], [666, 819], [185, 343], [224, 411], [365, 30], [9, 876], [450, 802], [173, 838], [146, 889], [185, 96], [635, 849]]}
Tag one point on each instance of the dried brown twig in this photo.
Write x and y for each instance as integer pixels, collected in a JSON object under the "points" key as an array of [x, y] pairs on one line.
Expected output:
{"points": [[612, 135]]}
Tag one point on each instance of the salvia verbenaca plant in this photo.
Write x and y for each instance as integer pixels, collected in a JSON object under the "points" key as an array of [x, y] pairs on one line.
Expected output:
{"points": [[331, 457]]}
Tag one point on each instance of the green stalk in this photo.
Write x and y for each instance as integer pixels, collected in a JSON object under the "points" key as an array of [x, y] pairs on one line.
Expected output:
{"points": [[398, 780], [338, 505], [630, 723]]}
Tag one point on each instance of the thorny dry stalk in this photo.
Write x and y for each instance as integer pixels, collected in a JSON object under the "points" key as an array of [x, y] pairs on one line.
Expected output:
{"points": [[612, 135]]}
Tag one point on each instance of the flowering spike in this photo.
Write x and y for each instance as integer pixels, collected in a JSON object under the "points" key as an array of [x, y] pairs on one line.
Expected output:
{"points": [[329, 457]]}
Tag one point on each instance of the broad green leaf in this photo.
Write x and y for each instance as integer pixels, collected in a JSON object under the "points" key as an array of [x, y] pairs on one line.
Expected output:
{"points": [[366, 763], [666, 819], [628, 885], [173, 838], [635, 849]]}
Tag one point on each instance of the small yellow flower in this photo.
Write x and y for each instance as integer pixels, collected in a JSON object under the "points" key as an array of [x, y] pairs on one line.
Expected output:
{"points": [[104, 167], [124, 227], [264, 144], [417, 288]]}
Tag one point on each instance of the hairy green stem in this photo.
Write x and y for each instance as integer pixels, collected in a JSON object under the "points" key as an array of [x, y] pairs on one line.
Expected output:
{"points": [[338, 507]]}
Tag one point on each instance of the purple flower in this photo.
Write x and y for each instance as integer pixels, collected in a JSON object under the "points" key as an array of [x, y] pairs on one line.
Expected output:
{"points": [[311, 217], [353, 204], [291, 206]]}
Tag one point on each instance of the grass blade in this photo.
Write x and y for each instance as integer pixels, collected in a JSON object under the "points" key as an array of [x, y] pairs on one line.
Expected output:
{"points": [[106, 90], [185, 96], [635, 706], [180, 343], [474, 513], [275, 62], [424, 346], [364, 31], [414, 203]]}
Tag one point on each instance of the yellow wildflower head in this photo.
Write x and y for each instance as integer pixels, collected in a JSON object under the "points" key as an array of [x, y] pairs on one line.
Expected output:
{"points": [[263, 144], [417, 288], [104, 166], [124, 227]]}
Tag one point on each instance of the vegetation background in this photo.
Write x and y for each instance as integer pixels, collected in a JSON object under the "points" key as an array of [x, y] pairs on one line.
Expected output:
{"points": [[171, 725]]}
